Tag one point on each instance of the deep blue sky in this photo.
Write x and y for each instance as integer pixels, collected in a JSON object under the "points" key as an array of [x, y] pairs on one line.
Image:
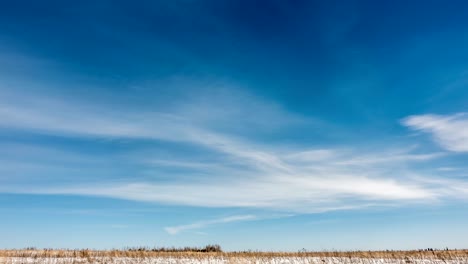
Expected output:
{"points": [[270, 125]]}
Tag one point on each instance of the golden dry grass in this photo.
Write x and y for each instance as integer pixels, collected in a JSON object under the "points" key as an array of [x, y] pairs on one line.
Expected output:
{"points": [[147, 253]]}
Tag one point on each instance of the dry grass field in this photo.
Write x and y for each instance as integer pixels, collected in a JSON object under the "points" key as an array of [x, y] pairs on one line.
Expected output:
{"points": [[172, 256]]}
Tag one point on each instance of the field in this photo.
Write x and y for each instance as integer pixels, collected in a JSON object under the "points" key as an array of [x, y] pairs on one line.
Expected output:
{"points": [[175, 257]]}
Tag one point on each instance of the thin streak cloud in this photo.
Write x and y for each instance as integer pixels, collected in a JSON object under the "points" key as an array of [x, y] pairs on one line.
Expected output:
{"points": [[449, 131], [173, 230], [274, 178]]}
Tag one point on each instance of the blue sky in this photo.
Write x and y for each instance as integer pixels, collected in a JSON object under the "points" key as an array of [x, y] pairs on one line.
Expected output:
{"points": [[263, 125]]}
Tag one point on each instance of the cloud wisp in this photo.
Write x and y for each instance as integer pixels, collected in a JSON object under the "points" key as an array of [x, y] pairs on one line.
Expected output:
{"points": [[247, 175], [449, 131], [173, 230]]}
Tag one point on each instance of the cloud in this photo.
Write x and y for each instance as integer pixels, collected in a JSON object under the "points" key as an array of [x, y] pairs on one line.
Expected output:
{"points": [[56, 116], [449, 131], [245, 173], [306, 194], [118, 226], [173, 230], [390, 158], [324, 185]]}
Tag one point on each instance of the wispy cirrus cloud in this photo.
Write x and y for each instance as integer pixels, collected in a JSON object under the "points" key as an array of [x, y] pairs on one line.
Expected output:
{"points": [[247, 174], [173, 230], [449, 131]]}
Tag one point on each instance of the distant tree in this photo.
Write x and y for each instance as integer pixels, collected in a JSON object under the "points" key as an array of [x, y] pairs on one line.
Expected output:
{"points": [[212, 248]]}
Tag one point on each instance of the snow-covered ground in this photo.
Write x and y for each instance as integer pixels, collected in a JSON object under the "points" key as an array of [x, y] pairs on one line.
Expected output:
{"points": [[227, 260]]}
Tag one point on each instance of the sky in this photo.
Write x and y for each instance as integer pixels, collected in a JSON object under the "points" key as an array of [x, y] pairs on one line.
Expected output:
{"points": [[256, 125]]}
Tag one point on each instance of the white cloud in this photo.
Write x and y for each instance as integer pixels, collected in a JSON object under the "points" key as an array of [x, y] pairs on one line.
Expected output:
{"points": [[296, 180], [118, 226], [317, 186], [449, 131], [201, 224], [57, 117], [311, 155], [390, 158], [448, 169], [61, 118], [286, 193]]}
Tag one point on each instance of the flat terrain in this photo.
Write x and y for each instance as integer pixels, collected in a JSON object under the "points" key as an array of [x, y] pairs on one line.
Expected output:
{"points": [[148, 257]]}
